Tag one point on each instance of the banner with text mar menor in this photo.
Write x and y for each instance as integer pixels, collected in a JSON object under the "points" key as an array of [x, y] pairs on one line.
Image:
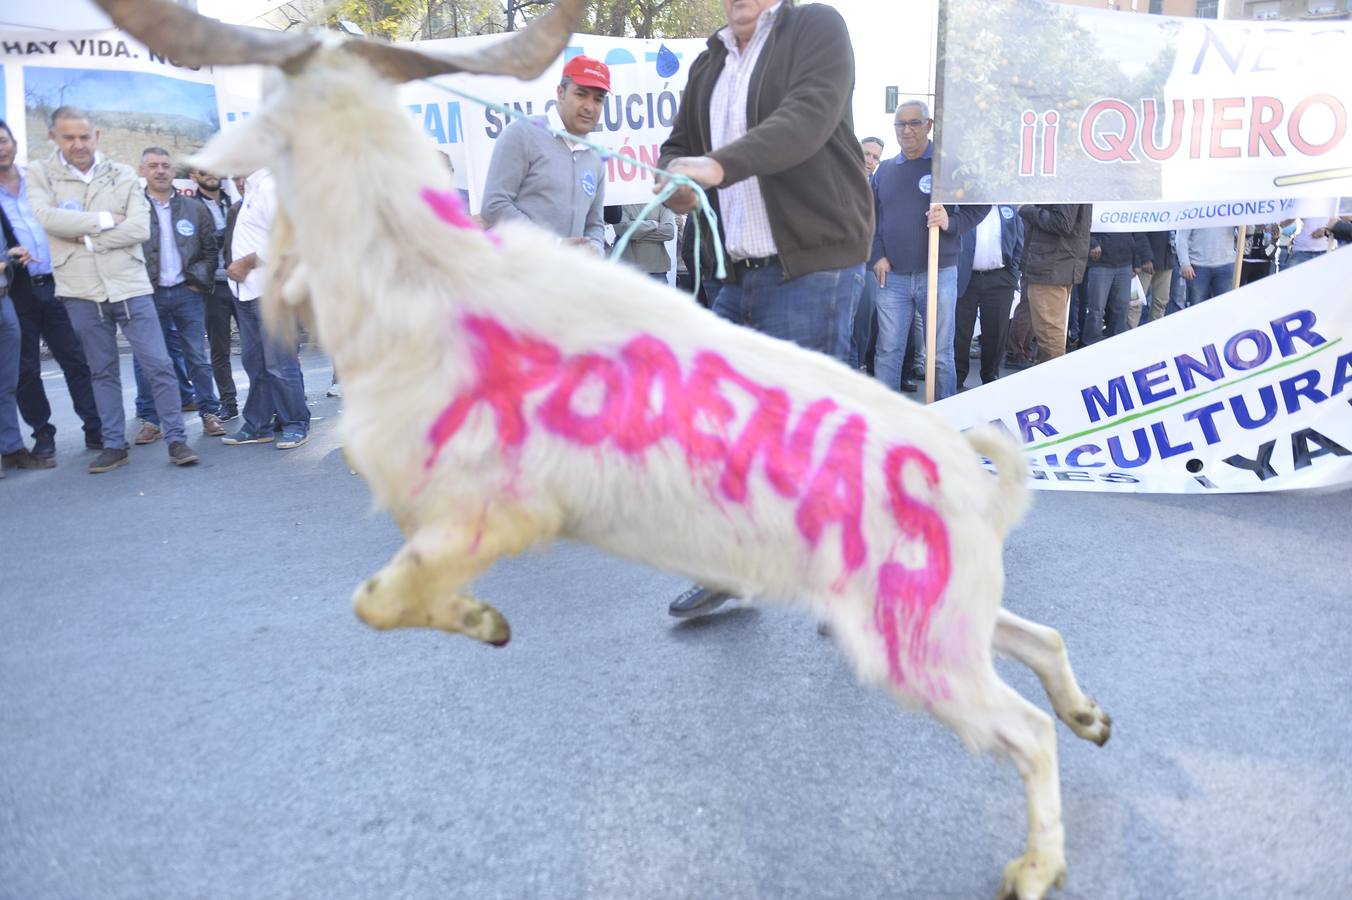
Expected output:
{"points": [[1250, 391], [1050, 103]]}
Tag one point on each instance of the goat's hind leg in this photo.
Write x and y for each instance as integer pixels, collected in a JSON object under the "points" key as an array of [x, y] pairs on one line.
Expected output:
{"points": [[989, 715], [421, 587], [1041, 649]]}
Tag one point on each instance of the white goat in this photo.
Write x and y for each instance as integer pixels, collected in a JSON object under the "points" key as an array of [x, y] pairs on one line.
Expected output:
{"points": [[501, 389]]}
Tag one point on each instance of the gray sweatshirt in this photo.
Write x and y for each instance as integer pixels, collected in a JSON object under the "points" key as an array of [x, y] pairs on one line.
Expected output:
{"points": [[1205, 246], [535, 176]]}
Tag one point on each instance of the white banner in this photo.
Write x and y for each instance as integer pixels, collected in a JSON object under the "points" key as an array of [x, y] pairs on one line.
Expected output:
{"points": [[137, 99], [647, 78], [1168, 216], [1045, 102], [1250, 391]]}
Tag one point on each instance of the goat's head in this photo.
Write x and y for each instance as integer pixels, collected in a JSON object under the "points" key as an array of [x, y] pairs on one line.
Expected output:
{"points": [[194, 40]]}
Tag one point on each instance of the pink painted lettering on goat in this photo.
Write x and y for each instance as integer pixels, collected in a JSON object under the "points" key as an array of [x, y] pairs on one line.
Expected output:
{"points": [[558, 414], [509, 367], [907, 598], [447, 206], [641, 396], [651, 364], [837, 493]]}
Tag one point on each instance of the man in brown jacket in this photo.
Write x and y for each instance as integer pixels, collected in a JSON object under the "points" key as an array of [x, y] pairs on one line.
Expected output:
{"points": [[765, 119], [1055, 255]]}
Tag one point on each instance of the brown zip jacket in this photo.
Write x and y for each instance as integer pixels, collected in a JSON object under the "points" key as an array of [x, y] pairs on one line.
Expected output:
{"points": [[800, 139]]}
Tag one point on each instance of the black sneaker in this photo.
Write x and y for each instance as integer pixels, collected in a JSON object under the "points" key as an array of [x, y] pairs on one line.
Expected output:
{"points": [[108, 460], [93, 443], [697, 601], [22, 459], [44, 446], [228, 411], [181, 455]]}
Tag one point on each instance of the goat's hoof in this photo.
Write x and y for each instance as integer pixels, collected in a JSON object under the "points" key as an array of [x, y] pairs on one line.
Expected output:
{"points": [[1090, 723], [486, 624], [372, 607], [1031, 876]]}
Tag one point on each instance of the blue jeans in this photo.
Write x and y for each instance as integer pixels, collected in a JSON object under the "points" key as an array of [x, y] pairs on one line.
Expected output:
{"points": [[11, 440], [1299, 256], [898, 302], [1210, 281], [814, 311], [145, 404], [276, 385], [183, 314], [1107, 291], [1076, 317], [97, 324]]}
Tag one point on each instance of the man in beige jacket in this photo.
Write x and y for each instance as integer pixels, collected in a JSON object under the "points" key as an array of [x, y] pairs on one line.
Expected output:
{"points": [[96, 218]]}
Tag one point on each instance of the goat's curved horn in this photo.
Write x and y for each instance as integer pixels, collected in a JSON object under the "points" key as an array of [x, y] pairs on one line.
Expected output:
{"points": [[525, 55], [195, 40]]}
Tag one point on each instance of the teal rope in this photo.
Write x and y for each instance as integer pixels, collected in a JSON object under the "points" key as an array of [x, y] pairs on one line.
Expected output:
{"points": [[673, 183]]}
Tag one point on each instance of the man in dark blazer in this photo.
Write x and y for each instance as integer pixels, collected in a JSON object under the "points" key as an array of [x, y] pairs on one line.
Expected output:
{"points": [[986, 287]]}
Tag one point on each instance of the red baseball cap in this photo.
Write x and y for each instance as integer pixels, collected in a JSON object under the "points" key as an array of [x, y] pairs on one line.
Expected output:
{"points": [[588, 72]]}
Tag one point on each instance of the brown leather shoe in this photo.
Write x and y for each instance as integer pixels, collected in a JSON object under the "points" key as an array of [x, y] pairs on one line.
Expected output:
{"points": [[180, 454], [149, 433], [22, 459], [108, 460], [211, 426]]}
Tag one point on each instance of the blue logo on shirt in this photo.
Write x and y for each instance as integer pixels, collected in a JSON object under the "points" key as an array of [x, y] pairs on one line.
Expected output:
{"points": [[589, 183], [72, 205], [925, 182], [185, 228], [1007, 212]]}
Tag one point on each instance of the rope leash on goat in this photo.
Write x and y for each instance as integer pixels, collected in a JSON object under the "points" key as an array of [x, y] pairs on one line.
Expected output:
{"points": [[673, 182]]}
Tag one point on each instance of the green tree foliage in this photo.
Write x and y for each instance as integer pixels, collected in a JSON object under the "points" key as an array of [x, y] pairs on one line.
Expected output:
{"points": [[414, 20], [1004, 57]]}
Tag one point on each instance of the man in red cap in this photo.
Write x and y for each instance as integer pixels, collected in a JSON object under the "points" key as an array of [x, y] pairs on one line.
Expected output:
{"points": [[554, 182]]}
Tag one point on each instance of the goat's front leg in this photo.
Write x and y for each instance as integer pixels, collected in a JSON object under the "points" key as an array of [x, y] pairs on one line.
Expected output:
{"points": [[422, 585]]}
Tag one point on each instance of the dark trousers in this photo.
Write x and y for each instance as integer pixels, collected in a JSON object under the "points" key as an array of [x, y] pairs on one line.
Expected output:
{"points": [[990, 295], [1253, 270], [45, 318], [220, 307]]}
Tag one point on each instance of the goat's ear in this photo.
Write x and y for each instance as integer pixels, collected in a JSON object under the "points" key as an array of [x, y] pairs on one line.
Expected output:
{"points": [[242, 148]]}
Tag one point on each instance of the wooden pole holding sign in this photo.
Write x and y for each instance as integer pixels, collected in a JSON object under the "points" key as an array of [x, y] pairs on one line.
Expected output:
{"points": [[931, 310], [1239, 256], [932, 269]]}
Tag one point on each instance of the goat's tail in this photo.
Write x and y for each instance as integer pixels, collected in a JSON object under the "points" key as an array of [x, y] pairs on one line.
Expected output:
{"points": [[1012, 468]]}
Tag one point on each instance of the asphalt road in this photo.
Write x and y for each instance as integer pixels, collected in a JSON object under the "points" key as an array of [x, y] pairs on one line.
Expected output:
{"points": [[189, 709]]}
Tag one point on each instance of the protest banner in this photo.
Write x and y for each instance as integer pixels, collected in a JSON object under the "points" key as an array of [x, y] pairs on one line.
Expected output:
{"points": [[137, 98], [647, 81], [1116, 217], [1250, 391], [1044, 102]]}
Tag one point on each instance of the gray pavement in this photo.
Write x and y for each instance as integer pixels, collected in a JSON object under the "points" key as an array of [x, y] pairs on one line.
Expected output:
{"points": [[189, 709]]}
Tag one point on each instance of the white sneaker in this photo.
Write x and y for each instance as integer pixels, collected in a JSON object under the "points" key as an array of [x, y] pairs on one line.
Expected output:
{"points": [[335, 390]]}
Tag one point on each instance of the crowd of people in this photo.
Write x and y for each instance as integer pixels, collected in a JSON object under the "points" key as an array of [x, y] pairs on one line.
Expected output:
{"points": [[94, 246], [827, 244]]}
